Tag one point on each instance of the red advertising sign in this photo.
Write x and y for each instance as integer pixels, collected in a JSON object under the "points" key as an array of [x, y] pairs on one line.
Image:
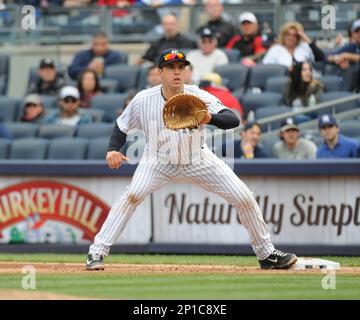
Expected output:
{"points": [[32, 204]]}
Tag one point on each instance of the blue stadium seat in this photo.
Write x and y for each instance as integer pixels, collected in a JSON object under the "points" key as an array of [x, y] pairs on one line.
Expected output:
{"points": [[330, 96], [267, 143], [261, 72], [125, 75], [97, 114], [108, 85], [95, 130], [111, 103], [29, 148], [23, 129], [235, 73], [332, 83], [97, 148], [253, 101], [276, 84], [232, 54], [270, 111], [68, 148], [4, 148], [350, 128], [8, 108], [142, 78], [50, 131]]}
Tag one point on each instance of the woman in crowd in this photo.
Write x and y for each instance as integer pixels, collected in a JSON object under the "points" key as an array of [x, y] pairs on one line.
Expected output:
{"points": [[294, 46], [302, 90], [89, 86]]}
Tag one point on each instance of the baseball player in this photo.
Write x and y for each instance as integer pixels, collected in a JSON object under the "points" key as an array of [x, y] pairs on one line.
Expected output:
{"points": [[162, 162]]}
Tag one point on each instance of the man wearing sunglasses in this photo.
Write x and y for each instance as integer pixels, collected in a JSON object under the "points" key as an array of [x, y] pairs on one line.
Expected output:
{"points": [[175, 156], [69, 112]]}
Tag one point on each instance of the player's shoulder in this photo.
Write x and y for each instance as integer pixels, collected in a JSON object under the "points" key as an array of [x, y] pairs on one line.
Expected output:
{"points": [[147, 93]]}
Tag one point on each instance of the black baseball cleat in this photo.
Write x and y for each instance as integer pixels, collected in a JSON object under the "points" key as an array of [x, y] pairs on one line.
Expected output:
{"points": [[95, 262], [278, 260]]}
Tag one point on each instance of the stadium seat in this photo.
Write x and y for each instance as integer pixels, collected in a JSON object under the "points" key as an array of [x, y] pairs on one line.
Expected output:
{"points": [[68, 148], [97, 114], [8, 108], [108, 85], [4, 148], [267, 143], [4, 73], [50, 131], [29, 148], [111, 103], [235, 73], [276, 84], [126, 76], [350, 128], [261, 72], [22, 129], [270, 111], [253, 101], [142, 78], [232, 54], [97, 148], [330, 96], [95, 130], [331, 83]]}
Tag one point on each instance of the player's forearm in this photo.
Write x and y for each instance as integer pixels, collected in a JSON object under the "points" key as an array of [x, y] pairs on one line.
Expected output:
{"points": [[117, 139], [225, 119]]}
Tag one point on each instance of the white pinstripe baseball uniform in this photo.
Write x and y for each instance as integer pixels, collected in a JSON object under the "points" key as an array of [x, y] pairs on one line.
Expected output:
{"points": [[178, 156]]}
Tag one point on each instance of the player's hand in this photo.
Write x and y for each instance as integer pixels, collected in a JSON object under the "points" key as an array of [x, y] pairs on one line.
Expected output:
{"points": [[114, 159]]}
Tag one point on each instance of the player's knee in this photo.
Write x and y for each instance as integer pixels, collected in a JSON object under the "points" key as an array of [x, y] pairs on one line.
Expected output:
{"points": [[133, 198]]}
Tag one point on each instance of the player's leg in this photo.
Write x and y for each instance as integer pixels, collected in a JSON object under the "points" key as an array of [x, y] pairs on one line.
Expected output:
{"points": [[216, 176], [147, 178]]}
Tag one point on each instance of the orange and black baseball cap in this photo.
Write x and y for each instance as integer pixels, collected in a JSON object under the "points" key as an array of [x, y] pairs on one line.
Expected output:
{"points": [[172, 55]]}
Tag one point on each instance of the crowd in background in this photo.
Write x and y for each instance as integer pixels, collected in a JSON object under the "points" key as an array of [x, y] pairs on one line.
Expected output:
{"points": [[216, 39]]}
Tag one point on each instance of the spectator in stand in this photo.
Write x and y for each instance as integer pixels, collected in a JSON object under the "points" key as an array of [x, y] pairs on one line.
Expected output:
{"points": [[69, 112], [207, 57], [302, 90], [291, 145], [153, 77], [118, 5], [88, 86], [76, 3], [247, 147], [224, 30], [249, 42], [335, 145], [189, 74], [33, 109], [172, 39], [5, 132], [212, 83], [347, 59], [50, 80], [294, 46], [97, 58]]}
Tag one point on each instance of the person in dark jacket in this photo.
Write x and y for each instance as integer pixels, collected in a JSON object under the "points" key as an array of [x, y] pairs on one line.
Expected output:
{"points": [[97, 58], [172, 39], [50, 81], [223, 29]]}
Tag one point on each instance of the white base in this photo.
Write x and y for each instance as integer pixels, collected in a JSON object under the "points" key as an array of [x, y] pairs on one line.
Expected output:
{"points": [[314, 263]]}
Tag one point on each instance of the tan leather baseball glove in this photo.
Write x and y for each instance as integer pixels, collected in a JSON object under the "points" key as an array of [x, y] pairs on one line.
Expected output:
{"points": [[184, 111]]}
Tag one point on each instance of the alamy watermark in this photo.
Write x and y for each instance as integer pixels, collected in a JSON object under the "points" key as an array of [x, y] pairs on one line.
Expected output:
{"points": [[28, 17], [328, 282], [328, 21], [28, 282]]}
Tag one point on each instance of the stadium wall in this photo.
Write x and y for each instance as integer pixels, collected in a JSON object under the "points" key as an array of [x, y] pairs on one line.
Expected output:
{"points": [[311, 207]]}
